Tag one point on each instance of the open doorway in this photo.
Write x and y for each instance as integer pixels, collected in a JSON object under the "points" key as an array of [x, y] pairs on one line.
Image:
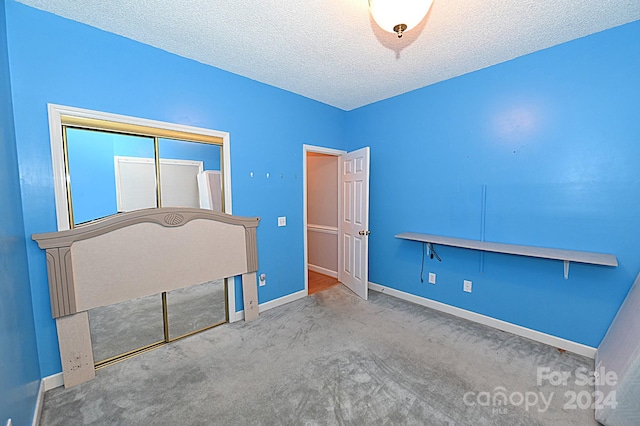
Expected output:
{"points": [[322, 221], [321, 217]]}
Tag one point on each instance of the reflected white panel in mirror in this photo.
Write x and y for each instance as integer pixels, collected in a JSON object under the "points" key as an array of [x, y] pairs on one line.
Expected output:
{"points": [[179, 183], [210, 188], [136, 183]]}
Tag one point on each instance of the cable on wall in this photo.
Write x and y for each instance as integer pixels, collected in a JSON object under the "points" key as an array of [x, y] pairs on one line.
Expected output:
{"points": [[427, 247]]}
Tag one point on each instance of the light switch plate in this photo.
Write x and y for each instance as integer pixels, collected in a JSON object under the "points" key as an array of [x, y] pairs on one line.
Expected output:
{"points": [[432, 278], [467, 286], [282, 221]]}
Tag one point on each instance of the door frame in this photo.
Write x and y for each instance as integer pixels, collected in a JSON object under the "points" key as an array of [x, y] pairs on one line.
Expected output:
{"points": [[318, 150]]}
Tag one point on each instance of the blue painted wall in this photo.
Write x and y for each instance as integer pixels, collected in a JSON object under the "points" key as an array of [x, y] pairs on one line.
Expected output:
{"points": [[19, 369], [55, 60], [555, 137]]}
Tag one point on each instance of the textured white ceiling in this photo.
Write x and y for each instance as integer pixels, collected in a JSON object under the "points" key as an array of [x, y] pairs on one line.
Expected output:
{"points": [[332, 51]]}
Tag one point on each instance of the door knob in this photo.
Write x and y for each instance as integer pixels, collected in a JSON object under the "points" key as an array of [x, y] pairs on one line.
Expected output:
{"points": [[363, 232]]}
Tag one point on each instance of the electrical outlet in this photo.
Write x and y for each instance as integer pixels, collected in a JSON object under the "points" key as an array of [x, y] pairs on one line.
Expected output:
{"points": [[263, 279], [467, 286], [432, 278], [282, 221]]}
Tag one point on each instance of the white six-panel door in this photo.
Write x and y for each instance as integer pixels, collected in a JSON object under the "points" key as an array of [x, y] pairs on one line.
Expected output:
{"points": [[353, 253]]}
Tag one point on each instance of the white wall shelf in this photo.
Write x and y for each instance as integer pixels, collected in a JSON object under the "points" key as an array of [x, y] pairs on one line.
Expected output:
{"points": [[566, 256]]}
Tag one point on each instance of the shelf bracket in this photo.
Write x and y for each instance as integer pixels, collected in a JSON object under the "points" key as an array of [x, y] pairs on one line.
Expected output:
{"points": [[431, 251], [566, 269]]}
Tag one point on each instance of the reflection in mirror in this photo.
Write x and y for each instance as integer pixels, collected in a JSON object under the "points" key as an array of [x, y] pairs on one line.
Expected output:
{"points": [[124, 327], [102, 168], [190, 174], [194, 308]]}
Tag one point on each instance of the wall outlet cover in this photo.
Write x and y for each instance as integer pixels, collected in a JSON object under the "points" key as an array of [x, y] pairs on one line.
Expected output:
{"points": [[282, 221], [432, 278], [467, 286]]}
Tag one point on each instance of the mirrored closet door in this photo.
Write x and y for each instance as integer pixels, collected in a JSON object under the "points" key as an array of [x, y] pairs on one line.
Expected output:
{"points": [[113, 169]]}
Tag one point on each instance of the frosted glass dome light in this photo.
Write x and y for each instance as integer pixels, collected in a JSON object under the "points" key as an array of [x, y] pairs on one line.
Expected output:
{"points": [[398, 16]]}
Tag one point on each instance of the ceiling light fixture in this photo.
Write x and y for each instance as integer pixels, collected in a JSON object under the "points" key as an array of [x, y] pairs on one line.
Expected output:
{"points": [[398, 16]]}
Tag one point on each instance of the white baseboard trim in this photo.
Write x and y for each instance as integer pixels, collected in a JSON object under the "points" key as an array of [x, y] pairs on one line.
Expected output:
{"points": [[276, 302], [37, 410], [558, 342], [47, 383], [53, 381], [324, 271]]}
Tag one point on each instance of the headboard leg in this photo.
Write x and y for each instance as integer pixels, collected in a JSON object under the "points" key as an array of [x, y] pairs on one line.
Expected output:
{"points": [[250, 296], [75, 349]]}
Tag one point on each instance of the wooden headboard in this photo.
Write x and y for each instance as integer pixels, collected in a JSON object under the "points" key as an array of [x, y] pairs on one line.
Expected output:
{"points": [[139, 254]]}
